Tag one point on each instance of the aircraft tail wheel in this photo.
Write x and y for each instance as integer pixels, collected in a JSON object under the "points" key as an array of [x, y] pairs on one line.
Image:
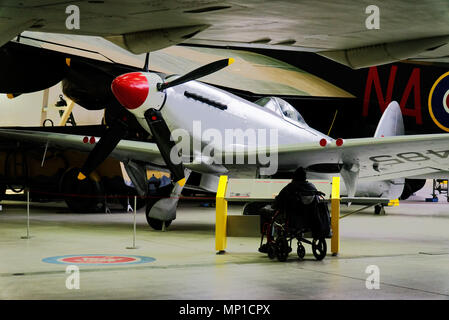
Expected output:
{"points": [[301, 251], [379, 209], [319, 248], [82, 195]]}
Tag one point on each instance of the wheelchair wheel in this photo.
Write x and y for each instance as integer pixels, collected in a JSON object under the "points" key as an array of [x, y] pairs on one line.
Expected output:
{"points": [[301, 251], [282, 249], [319, 248], [271, 250]]}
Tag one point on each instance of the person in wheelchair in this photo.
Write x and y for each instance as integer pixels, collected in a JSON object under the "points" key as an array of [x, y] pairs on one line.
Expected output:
{"points": [[296, 205], [297, 201], [299, 188]]}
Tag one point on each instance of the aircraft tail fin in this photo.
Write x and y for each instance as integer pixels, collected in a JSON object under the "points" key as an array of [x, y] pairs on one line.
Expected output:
{"points": [[391, 123]]}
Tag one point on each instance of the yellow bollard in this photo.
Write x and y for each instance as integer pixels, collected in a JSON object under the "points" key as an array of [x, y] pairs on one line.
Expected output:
{"points": [[335, 216], [221, 213], [393, 203]]}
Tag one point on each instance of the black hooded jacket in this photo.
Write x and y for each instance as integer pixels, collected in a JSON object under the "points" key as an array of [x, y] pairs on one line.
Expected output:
{"points": [[295, 197]]}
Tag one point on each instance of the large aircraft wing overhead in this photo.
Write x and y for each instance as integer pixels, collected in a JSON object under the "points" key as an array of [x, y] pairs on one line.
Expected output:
{"points": [[355, 33], [10, 29], [125, 150], [375, 158]]}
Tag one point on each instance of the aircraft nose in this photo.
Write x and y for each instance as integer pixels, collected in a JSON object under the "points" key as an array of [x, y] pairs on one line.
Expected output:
{"points": [[130, 89]]}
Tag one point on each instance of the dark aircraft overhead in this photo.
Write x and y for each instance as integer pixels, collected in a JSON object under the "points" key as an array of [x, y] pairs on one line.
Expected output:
{"points": [[340, 30]]}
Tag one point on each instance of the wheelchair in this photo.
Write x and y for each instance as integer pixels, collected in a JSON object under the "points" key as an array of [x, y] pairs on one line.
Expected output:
{"points": [[283, 228]]}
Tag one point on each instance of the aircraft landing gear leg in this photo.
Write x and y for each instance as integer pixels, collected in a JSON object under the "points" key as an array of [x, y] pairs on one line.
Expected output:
{"points": [[163, 197], [157, 222], [379, 209], [158, 194]]}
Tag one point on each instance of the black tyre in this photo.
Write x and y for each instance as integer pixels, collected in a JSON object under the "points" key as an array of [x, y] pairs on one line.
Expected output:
{"points": [[301, 251], [154, 223], [319, 248], [379, 210], [81, 196], [282, 249], [271, 250]]}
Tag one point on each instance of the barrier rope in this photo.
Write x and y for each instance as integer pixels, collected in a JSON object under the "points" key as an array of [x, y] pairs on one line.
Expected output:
{"points": [[115, 196]]}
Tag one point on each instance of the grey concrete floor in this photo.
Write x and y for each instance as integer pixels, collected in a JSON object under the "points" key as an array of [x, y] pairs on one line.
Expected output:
{"points": [[410, 246]]}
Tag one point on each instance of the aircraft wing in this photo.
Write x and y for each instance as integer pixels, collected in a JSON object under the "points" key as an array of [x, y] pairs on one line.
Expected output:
{"points": [[125, 150], [339, 30], [417, 156], [423, 156]]}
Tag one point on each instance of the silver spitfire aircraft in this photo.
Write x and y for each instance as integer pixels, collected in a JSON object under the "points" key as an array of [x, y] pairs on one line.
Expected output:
{"points": [[200, 128]]}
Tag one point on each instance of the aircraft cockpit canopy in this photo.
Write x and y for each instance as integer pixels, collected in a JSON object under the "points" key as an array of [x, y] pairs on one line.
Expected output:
{"points": [[282, 108]]}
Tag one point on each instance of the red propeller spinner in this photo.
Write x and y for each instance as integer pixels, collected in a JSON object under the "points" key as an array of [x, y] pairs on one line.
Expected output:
{"points": [[131, 89]]}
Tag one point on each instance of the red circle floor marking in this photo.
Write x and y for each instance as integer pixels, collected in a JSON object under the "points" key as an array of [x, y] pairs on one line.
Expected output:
{"points": [[98, 259]]}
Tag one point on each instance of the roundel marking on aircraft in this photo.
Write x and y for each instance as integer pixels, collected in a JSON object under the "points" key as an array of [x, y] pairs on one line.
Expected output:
{"points": [[439, 102], [98, 259]]}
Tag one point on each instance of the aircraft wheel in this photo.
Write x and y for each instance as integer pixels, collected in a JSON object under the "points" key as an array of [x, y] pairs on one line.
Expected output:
{"points": [[319, 248], [379, 209], [154, 223], [301, 251], [82, 196]]}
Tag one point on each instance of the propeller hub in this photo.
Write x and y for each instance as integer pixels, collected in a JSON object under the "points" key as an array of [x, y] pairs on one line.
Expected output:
{"points": [[131, 89]]}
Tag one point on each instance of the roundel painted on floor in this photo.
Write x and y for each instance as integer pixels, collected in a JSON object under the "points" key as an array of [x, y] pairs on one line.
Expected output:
{"points": [[98, 259], [439, 102]]}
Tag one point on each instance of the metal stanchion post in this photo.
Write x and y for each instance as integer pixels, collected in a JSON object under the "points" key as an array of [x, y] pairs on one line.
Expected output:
{"points": [[106, 208], [28, 236], [135, 212], [134, 223], [434, 185]]}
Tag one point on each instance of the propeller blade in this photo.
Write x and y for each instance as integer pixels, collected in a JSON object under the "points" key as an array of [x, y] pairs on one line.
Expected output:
{"points": [[13, 95], [147, 62], [161, 134], [102, 149], [197, 73]]}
